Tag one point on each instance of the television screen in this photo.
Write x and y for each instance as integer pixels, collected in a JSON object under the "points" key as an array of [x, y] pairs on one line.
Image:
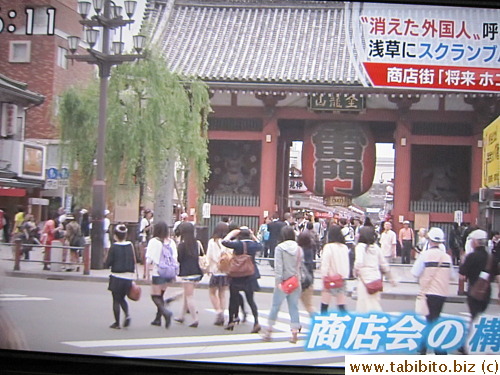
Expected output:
{"points": [[310, 186]]}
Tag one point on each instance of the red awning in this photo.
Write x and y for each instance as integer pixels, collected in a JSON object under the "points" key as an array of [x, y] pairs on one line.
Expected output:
{"points": [[12, 192]]}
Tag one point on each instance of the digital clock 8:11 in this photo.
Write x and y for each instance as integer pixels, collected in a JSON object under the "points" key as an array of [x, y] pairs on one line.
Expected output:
{"points": [[8, 21]]}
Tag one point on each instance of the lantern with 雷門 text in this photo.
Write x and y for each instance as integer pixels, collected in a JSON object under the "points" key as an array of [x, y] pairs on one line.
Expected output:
{"points": [[338, 159]]}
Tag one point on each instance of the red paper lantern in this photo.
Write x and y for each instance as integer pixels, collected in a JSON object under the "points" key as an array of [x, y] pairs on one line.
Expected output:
{"points": [[338, 159]]}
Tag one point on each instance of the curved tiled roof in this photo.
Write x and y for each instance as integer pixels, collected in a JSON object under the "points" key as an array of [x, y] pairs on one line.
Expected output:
{"points": [[290, 42]]}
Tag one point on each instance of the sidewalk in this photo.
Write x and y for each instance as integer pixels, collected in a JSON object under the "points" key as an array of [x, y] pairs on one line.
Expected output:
{"points": [[407, 288]]}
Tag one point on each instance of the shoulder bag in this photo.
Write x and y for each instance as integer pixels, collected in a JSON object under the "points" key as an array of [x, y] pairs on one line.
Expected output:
{"points": [[333, 281], [480, 290], [135, 291], [241, 265], [374, 286], [289, 285], [202, 258], [224, 259]]}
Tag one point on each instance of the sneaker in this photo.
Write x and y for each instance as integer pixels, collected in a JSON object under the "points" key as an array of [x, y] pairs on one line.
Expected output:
{"points": [[115, 326]]}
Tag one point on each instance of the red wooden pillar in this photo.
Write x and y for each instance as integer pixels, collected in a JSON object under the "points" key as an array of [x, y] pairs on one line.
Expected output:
{"points": [[402, 171], [268, 174]]}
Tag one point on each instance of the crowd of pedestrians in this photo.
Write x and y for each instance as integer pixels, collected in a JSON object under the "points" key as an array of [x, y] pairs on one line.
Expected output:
{"points": [[344, 249]]}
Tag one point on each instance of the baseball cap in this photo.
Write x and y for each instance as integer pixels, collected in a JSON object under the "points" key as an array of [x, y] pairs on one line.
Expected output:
{"points": [[184, 215], [478, 234], [106, 212], [406, 222], [436, 235]]}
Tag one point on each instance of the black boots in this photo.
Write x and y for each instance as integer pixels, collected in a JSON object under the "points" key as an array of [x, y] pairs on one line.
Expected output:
{"points": [[157, 321], [162, 310], [324, 308]]}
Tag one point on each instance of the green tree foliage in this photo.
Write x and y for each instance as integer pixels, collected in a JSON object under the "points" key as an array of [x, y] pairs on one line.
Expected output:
{"points": [[152, 114]]}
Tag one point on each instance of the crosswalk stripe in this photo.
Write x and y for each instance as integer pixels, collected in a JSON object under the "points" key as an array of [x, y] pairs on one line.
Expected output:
{"points": [[171, 340], [10, 299], [282, 357], [20, 297], [203, 349]]}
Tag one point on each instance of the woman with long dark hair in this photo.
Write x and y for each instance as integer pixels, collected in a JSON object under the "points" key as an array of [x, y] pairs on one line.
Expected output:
{"points": [[219, 283], [241, 240], [159, 284], [121, 259], [189, 270], [369, 266], [334, 261], [308, 245]]}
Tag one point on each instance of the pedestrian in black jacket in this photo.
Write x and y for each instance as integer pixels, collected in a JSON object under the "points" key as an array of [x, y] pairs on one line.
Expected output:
{"points": [[122, 262]]}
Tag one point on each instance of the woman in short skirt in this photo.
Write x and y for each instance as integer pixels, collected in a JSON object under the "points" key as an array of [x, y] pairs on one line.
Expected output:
{"points": [[159, 284], [122, 262], [188, 252], [219, 284]]}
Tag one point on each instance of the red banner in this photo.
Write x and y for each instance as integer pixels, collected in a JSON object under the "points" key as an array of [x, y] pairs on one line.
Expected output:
{"points": [[455, 78]]}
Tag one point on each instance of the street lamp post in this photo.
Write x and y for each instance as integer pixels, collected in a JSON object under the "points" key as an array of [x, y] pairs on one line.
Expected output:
{"points": [[108, 17]]}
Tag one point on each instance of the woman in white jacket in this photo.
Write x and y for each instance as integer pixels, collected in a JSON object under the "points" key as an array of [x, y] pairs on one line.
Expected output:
{"points": [[159, 284], [219, 284], [369, 266], [334, 260]]}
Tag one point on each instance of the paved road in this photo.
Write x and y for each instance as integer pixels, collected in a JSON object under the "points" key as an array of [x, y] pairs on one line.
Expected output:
{"points": [[73, 317]]}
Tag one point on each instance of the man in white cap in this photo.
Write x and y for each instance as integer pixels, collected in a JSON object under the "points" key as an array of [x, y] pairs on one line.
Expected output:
{"points": [[433, 270]]}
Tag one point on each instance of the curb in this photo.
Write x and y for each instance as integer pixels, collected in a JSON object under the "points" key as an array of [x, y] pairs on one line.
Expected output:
{"points": [[60, 276]]}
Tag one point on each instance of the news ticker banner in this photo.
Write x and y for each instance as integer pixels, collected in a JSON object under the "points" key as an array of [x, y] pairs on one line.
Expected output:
{"points": [[422, 47], [432, 365], [402, 333]]}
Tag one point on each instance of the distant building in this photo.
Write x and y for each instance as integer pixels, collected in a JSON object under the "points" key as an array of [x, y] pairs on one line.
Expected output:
{"points": [[35, 54], [277, 69]]}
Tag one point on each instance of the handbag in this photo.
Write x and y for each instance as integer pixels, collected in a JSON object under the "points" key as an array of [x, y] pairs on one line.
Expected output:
{"points": [[421, 306], [306, 278], [202, 259], [480, 290], [290, 284], [374, 286], [241, 265], [333, 281], [135, 291]]}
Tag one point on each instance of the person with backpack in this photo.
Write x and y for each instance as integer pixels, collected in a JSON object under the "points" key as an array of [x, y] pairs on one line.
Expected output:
{"points": [[161, 252], [219, 282]]}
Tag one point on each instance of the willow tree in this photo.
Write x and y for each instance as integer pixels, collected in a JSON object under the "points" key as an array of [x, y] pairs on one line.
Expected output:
{"points": [[155, 117]]}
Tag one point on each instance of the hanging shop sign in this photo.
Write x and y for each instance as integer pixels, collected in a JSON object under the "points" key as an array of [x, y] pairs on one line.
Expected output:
{"points": [[338, 159], [491, 151], [336, 102], [406, 46], [338, 201]]}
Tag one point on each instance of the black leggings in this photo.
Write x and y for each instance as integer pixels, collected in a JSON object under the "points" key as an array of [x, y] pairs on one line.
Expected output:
{"points": [[234, 302], [119, 301]]}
